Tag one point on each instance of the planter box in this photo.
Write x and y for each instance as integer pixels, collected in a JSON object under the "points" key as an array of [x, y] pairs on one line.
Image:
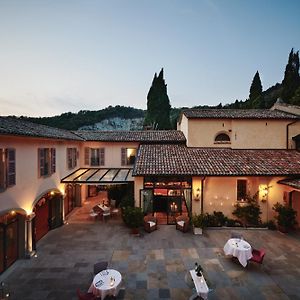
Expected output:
{"points": [[198, 230]]}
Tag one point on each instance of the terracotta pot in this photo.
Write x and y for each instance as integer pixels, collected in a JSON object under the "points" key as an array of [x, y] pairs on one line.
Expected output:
{"points": [[135, 231]]}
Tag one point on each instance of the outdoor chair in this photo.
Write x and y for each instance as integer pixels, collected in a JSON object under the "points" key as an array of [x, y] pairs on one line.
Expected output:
{"points": [[182, 223], [258, 255], [84, 296], [100, 266], [150, 223]]}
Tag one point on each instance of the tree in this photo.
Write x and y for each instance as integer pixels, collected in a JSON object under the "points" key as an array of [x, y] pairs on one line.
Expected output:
{"points": [[256, 99], [255, 88], [296, 99], [158, 104], [291, 80]]}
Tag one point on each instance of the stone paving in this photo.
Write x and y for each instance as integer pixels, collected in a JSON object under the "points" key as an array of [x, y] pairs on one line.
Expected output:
{"points": [[154, 266]]}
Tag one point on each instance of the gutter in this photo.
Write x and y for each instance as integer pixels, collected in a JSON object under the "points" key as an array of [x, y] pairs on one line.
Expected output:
{"points": [[287, 133]]}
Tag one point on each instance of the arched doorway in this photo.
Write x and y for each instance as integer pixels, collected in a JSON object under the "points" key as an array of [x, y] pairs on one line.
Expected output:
{"points": [[48, 214], [11, 238]]}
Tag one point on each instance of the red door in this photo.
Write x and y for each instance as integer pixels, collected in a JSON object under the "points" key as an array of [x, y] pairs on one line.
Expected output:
{"points": [[41, 219]]}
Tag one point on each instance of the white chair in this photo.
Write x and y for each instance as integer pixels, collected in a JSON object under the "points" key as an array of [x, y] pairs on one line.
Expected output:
{"points": [[93, 214], [105, 214]]}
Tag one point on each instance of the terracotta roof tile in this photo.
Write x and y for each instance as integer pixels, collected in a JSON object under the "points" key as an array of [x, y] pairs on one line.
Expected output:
{"points": [[14, 126], [292, 182], [181, 160], [237, 114], [148, 136]]}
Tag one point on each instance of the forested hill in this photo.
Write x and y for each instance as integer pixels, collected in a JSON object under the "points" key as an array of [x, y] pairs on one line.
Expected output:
{"points": [[73, 121]]}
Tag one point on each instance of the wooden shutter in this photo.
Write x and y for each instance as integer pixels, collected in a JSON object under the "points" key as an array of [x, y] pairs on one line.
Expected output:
{"points": [[123, 157], [87, 156], [41, 160], [53, 160], [69, 162], [102, 156], [2, 169], [11, 167]]}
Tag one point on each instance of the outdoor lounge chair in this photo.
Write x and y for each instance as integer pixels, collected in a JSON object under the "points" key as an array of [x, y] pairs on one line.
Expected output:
{"points": [[150, 223], [100, 266], [182, 223], [84, 296], [258, 255]]}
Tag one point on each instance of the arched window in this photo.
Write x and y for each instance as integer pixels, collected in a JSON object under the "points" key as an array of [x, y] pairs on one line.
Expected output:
{"points": [[222, 137]]}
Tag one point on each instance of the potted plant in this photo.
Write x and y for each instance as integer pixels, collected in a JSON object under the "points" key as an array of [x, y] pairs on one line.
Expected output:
{"points": [[286, 218], [198, 221], [133, 218]]}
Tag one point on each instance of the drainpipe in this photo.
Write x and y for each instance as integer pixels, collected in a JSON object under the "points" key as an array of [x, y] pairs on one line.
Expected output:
{"points": [[287, 133], [202, 188]]}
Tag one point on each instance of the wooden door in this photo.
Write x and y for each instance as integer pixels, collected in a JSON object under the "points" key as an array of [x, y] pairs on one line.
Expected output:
{"points": [[41, 219]]}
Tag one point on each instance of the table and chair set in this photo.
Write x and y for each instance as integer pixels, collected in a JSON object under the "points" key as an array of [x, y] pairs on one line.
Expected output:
{"points": [[103, 210]]}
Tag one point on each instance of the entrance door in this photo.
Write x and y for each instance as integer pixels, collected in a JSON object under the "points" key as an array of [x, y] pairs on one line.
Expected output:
{"points": [[69, 201], [41, 220], [8, 244], [55, 210], [296, 204]]}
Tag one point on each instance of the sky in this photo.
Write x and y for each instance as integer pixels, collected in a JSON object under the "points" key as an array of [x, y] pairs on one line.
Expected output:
{"points": [[59, 56]]}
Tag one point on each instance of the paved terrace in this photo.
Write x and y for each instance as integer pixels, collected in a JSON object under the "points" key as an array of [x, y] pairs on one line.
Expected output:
{"points": [[153, 265]]}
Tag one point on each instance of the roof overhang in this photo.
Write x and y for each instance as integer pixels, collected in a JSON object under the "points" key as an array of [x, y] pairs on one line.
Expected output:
{"points": [[100, 176], [291, 182]]}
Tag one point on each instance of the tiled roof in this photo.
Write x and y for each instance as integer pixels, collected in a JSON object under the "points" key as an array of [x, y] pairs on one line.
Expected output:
{"points": [[182, 160], [147, 136], [14, 126], [292, 182], [237, 114]]}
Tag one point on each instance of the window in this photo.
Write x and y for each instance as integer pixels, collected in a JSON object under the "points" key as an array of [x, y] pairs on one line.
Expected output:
{"points": [[128, 156], [7, 168], [47, 161], [241, 189], [71, 158], [222, 138], [94, 156]]}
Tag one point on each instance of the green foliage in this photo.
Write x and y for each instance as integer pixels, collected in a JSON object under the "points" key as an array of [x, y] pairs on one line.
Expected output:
{"points": [[133, 216], [256, 88], [270, 225], [199, 220], [249, 212], [291, 80], [296, 99], [73, 121], [286, 215], [158, 104]]}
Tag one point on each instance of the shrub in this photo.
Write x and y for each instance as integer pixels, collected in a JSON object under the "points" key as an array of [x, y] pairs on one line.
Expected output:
{"points": [[133, 216], [199, 221], [286, 215], [249, 214]]}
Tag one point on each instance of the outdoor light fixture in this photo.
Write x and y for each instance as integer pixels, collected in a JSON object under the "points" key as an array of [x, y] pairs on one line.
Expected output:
{"points": [[4, 292]]}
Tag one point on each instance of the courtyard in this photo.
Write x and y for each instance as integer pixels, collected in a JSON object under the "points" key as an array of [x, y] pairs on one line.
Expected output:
{"points": [[153, 266]]}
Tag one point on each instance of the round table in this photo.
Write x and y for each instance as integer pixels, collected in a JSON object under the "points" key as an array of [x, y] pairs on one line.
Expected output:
{"points": [[239, 249], [107, 282]]}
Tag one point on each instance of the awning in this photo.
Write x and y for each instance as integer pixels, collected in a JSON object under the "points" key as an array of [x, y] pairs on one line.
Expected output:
{"points": [[100, 176], [292, 182]]}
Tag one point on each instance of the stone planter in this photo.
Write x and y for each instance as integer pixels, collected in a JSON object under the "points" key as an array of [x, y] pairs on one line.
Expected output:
{"points": [[198, 230]]}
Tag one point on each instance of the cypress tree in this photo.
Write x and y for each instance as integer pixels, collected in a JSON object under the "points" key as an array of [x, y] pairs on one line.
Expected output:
{"points": [[255, 88], [158, 104], [291, 80]]}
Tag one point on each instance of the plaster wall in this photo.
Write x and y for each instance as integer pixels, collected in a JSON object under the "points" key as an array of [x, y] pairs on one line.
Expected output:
{"points": [[244, 134], [112, 152], [29, 186], [138, 185]]}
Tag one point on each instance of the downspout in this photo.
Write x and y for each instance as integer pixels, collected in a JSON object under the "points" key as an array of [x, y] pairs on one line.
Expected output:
{"points": [[287, 133], [202, 188]]}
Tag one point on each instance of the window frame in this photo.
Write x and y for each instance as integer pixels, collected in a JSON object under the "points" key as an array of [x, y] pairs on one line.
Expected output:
{"points": [[46, 161], [241, 195], [222, 141], [125, 160], [7, 168], [94, 160], [71, 158]]}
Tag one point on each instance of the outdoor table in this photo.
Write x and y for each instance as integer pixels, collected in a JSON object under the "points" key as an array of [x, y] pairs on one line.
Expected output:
{"points": [[239, 249], [105, 283], [200, 285]]}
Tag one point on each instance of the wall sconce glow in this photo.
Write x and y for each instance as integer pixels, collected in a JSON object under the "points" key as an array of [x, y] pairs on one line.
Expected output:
{"points": [[221, 203], [52, 193], [210, 203], [12, 212], [263, 192]]}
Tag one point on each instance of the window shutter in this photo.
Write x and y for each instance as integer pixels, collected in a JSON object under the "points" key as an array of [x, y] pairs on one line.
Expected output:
{"points": [[74, 157], [69, 166], [87, 156], [123, 156], [41, 160], [102, 156], [53, 160], [11, 167]]}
